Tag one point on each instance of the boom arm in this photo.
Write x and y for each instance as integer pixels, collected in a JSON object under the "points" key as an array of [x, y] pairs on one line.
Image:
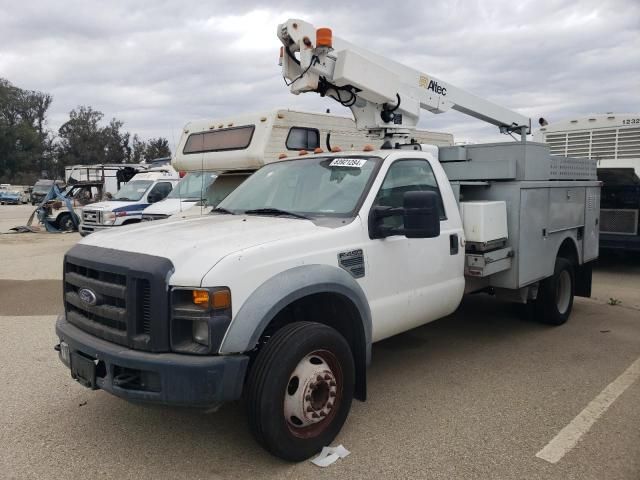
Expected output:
{"points": [[385, 96]]}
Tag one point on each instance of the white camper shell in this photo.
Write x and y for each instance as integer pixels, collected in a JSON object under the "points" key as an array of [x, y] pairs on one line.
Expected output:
{"points": [[248, 142], [234, 147]]}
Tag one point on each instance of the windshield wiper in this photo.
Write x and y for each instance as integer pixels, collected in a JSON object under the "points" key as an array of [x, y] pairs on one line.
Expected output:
{"points": [[223, 210], [274, 211]]}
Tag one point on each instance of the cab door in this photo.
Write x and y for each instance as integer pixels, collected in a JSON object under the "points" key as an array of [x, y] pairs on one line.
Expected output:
{"points": [[413, 280]]}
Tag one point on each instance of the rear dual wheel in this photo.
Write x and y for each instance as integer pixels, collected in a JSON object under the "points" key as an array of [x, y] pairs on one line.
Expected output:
{"points": [[555, 294], [300, 389]]}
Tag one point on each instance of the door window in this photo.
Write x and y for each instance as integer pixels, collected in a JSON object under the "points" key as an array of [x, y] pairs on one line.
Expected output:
{"points": [[406, 176], [159, 191]]}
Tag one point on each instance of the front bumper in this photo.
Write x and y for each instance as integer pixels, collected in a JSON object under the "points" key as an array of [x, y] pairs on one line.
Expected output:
{"points": [[629, 243], [86, 229], [163, 378]]}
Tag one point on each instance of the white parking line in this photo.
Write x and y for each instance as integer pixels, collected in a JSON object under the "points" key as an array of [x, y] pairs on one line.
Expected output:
{"points": [[567, 438]]}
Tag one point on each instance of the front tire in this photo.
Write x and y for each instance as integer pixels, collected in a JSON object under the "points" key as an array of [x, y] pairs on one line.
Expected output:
{"points": [[300, 389], [555, 295], [65, 223]]}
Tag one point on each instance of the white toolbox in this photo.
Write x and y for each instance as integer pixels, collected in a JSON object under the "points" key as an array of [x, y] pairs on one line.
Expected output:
{"points": [[484, 222]]}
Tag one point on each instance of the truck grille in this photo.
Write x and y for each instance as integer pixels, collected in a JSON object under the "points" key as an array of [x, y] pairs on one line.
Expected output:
{"points": [[145, 306], [118, 296], [91, 216], [619, 221]]}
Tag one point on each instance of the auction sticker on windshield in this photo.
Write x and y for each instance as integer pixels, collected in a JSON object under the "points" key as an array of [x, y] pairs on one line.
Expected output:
{"points": [[348, 162]]}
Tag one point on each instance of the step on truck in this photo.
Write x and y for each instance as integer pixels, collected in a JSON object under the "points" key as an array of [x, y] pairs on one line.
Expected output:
{"points": [[218, 155], [278, 295]]}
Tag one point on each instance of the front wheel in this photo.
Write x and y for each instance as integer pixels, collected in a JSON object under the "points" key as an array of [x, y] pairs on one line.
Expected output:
{"points": [[300, 389], [555, 294], [65, 223]]}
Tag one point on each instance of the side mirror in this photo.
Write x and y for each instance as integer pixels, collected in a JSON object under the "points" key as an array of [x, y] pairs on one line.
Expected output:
{"points": [[153, 197], [421, 214], [420, 217]]}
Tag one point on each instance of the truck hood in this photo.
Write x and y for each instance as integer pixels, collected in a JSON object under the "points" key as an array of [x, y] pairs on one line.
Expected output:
{"points": [[108, 206], [170, 206], [195, 245]]}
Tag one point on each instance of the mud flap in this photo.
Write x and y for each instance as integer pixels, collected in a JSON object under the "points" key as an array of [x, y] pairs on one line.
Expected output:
{"points": [[583, 280]]}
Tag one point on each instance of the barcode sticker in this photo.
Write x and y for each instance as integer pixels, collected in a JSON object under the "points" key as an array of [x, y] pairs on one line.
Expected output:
{"points": [[348, 162]]}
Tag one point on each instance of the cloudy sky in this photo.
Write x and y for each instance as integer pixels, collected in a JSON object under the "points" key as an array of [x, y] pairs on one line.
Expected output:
{"points": [[157, 64]]}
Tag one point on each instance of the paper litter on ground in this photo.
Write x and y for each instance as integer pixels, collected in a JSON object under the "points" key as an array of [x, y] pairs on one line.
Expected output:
{"points": [[328, 455]]}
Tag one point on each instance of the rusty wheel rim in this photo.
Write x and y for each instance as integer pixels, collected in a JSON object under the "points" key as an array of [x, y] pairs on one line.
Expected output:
{"points": [[313, 394]]}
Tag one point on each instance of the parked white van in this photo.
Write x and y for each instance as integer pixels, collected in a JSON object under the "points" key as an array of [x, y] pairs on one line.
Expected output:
{"points": [[127, 205]]}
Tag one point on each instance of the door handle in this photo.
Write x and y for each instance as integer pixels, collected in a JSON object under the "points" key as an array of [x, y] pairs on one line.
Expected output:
{"points": [[453, 244]]}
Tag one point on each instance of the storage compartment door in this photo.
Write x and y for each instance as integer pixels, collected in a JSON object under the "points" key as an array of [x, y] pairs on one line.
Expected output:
{"points": [[533, 254]]}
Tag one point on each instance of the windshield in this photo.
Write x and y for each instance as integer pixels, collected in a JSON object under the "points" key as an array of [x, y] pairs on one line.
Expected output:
{"points": [[193, 186], [42, 188], [133, 191], [318, 186]]}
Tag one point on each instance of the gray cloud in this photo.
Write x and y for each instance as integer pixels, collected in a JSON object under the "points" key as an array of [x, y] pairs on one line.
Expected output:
{"points": [[156, 65]]}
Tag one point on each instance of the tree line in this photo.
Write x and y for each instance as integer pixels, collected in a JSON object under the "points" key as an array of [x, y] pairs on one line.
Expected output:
{"points": [[29, 150]]}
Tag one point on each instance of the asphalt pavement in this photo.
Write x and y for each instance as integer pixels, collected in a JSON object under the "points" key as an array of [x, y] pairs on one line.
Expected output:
{"points": [[474, 395]]}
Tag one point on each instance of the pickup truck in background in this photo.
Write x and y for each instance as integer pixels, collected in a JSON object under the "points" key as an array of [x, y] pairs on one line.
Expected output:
{"points": [[42, 188]]}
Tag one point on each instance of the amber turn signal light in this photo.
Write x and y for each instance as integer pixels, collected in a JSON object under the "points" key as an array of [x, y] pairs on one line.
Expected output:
{"points": [[200, 297], [221, 299]]}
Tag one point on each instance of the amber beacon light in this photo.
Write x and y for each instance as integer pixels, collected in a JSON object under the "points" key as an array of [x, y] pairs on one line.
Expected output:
{"points": [[324, 37]]}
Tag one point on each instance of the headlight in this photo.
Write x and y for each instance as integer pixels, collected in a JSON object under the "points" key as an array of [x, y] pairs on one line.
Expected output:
{"points": [[108, 218], [200, 332], [199, 319]]}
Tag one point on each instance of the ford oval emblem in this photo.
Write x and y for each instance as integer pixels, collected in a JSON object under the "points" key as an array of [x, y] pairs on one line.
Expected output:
{"points": [[88, 296]]}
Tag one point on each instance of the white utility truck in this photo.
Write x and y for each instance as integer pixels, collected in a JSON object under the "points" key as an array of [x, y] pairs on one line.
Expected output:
{"points": [[278, 295], [220, 154], [126, 206]]}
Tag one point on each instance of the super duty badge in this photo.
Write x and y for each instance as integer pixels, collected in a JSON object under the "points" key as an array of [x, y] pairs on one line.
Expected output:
{"points": [[353, 262]]}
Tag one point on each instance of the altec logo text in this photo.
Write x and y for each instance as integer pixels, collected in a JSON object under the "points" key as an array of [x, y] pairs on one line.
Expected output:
{"points": [[433, 86]]}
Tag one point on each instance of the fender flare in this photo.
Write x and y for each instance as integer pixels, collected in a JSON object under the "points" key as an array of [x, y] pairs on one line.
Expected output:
{"points": [[286, 287]]}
